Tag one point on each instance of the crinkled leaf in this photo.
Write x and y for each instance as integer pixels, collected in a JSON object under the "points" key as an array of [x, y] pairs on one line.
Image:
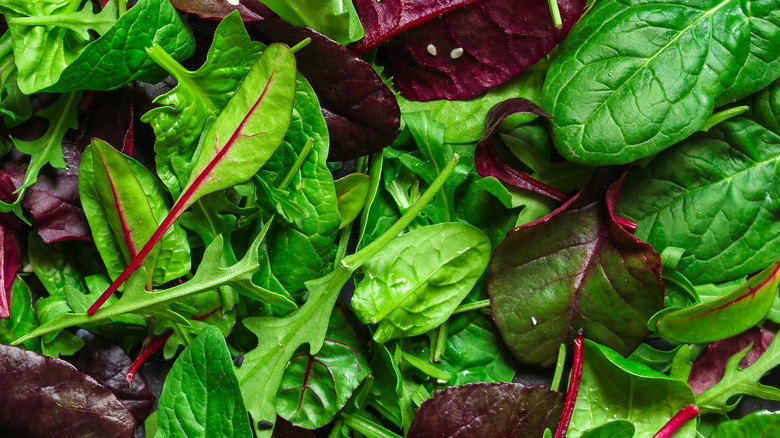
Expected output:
{"points": [[416, 282], [723, 317], [757, 424], [315, 387], [119, 57], [765, 107], [361, 112], [707, 369], [335, 18], [488, 409], [68, 403], [714, 196], [660, 77], [198, 98], [633, 392], [107, 363], [201, 397], [351, 192], [574, 269], [10, 262]]}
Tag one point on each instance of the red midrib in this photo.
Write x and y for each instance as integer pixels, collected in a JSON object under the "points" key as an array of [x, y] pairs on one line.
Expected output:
{"points": [[119, 210], [179, 207]]}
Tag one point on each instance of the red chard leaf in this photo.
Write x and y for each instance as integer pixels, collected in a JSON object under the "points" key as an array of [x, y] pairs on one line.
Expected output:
{"points": [[47, 397], [362, 113], [576, 268], [250, 10], [488, 410], [10, 262], [709, 368], [468, 48]]}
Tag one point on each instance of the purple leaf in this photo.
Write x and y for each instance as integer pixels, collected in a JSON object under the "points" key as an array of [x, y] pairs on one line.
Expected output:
{"points": [[576, 268], [487, 161], [465, 50], [488, 410], [10, 261], [708, 369], [362, 113], [250, 10], [47, 397], [107, 363]]}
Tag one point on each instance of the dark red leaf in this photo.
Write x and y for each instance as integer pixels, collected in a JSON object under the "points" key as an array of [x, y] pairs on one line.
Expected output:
{"points": [[250, 10], [10, 262], [362, 113], [576, 268], [46, 397], [107, 363], [708, 369], [488, 410], [467, 48], [285, 429]]}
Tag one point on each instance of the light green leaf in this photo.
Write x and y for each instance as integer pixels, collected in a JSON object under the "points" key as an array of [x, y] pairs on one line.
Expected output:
{"points": [[337, 19]]}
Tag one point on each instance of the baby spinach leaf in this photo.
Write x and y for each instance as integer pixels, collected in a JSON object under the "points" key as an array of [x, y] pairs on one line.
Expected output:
{"points": [[198, 98], [68, 403], [659, 78], [351, 192], [632, 392], [575, 268], [488, 409], [419, 279], [335, 18], [723, 317], [761, 423], [201, 397], [10, 262], [727, 175], [315, 387], [118, 57], [241, 140]]}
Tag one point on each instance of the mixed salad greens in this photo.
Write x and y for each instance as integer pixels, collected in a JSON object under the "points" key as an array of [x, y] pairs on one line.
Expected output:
{"points": [[362, 218]]}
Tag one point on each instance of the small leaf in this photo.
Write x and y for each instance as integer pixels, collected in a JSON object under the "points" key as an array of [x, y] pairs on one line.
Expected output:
{"points": [[723, 317], [351, 191], [10, 262], [23, 318], [201, 397]]}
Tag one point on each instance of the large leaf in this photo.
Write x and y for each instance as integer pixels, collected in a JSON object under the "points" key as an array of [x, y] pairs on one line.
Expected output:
{"points": [[574, 269], [714, 196], [10, 262], [757, 424], [636, 76], [418, 280], [315, 387], [632, 392], [459, 49], [201, 397], [67, 402], [488, 409], [361, 112], [335, 18]]}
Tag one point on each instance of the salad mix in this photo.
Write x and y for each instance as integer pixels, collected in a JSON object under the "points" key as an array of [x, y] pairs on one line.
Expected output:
{"points": [[364, 218]]}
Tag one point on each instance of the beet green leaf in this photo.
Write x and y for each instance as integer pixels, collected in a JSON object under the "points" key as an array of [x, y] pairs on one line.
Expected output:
{"points": [[10, 262], [662, 67], [713, 195], [633, 392], [201, 397], [757, 424], [488, 409], [574, 269]]}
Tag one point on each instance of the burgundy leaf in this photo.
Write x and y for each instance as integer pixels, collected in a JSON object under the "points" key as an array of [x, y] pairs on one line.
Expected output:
{"points": [[362, 113], [576, 268], [285, 429], [48, 398], [250, 10], [10, 262], [708, 369], [107, 363], [487, 161], [465, 50], [488, 410]]}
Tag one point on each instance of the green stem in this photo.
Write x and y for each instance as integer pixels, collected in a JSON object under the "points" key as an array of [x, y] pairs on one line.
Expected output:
{"points": [[556, 13], [722, 116], [374, 178], [121, 6], [359, 258], [297, 165], [556, 381], [426, 367], [476, 305], [363, 425], [304, 42], [441, 342]]}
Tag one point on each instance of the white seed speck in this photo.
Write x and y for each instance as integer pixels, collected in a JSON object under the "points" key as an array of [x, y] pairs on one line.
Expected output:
{"points": [[431, 49], [441, 381], [533, 320], [233, 2], [456, 53]]}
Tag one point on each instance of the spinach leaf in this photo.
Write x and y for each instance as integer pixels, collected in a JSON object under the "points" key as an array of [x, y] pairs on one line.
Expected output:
{"points": [[335, 18], [201, 397], [632, 392], [419, 279], [635, 77], [761, 423], [712, 195]]}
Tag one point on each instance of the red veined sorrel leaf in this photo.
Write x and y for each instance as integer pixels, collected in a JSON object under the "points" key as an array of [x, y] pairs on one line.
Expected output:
{"points": [[242, 139], [10, 261], [574, 269]]}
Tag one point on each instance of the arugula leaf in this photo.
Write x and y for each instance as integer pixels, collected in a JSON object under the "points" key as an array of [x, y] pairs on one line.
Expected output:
{"points": [[201, 396]]}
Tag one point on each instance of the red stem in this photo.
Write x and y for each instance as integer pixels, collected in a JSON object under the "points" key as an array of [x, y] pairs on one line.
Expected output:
{"points": [[143, 355], [682, 417], [574, 388], [626, 224]]}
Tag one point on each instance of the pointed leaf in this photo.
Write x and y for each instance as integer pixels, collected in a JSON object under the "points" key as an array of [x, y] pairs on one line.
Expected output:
{"points": [[723, 317], [10, 262], [23, 319], [574, 269], [351, 191]]}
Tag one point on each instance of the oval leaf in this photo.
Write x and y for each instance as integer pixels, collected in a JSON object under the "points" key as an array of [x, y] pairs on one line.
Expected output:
{"points": [[416, 282], [352, 191]]}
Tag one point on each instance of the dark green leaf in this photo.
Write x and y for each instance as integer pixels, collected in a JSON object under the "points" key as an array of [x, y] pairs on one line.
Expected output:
{"points": [[613, 429], [757, 424], [201, 397]]}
